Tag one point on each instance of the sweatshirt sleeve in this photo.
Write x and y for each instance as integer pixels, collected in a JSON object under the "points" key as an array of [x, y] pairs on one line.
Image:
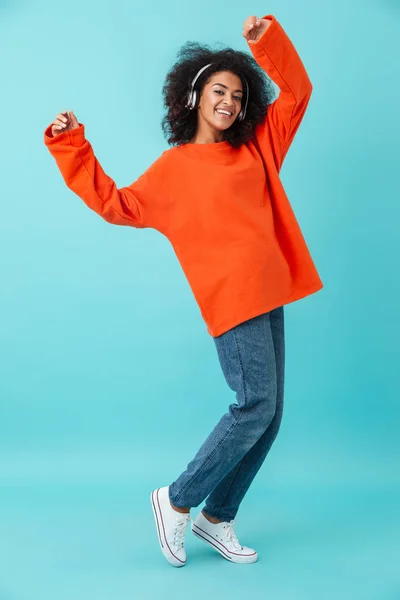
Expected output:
{"points": [[137, 205], [276, 55]]}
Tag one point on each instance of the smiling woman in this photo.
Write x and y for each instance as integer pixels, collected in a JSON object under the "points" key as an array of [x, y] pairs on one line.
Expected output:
{"points": [[220, 104], [218, 198], [219, 82]]}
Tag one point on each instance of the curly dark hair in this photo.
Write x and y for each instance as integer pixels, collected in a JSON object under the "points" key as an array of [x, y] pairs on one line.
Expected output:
{"points": [[180, 124]]}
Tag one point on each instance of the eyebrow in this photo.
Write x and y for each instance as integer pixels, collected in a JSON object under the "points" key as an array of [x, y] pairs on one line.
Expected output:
{"points": [[226, 87]]}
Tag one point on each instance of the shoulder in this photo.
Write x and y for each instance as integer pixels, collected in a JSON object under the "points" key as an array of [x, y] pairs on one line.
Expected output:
{"points": [[171, 153], [169, 158]]}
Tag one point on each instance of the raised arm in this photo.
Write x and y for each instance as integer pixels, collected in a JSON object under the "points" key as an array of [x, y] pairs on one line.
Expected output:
{"points": [[275, 53], [137, 205]]}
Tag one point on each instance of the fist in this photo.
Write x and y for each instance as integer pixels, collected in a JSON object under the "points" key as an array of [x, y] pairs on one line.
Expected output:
{"points": [[253, 28], [64, 122]]}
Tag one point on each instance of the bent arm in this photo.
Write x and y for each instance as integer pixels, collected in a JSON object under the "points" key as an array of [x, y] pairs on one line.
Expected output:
{"points": [[276, 55], [83, 174]]}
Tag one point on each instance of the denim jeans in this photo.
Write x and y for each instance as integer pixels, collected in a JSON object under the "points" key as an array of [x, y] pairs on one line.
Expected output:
{"points": [[252, 357]]}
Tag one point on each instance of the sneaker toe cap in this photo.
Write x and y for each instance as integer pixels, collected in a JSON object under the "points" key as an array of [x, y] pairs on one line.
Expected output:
{"points": [[249, 554]]}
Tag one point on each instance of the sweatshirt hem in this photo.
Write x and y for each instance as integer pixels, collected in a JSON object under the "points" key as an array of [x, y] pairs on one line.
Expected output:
{"points": [[264, 308]]}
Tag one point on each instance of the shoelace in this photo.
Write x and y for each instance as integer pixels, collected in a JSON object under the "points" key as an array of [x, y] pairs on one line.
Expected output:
{"points": [[180, 530], [231, 535]]}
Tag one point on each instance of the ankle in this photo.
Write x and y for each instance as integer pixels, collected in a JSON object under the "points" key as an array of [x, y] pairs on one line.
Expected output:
{"points": [[211, 519], [179, 508]]}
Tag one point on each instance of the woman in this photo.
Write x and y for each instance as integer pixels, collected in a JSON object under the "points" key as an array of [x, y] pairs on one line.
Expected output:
{"points": [[217, 196]]}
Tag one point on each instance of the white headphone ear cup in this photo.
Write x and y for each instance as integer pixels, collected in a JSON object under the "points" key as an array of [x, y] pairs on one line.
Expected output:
{"points": [[190, 101], [194, 101]]}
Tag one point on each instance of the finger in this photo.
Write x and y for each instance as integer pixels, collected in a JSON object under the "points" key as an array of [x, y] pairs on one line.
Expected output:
{"points": [[62, 117], [250, 27], [247, 31], [251, 21], [59, 124], [74, 119], [254, 27]]}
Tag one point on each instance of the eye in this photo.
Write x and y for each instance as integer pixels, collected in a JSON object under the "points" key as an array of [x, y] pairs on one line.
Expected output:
{"points": [[239, 98]]}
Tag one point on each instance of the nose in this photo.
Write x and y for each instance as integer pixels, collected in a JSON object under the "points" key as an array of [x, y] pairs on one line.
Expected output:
{"points": [[228, 105]]}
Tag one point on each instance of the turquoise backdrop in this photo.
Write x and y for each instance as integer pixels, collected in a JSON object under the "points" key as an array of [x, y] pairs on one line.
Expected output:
{"points": [[109, 381]]}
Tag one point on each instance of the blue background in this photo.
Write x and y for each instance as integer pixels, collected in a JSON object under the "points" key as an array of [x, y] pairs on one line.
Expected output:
{"points": [[109, 382]]}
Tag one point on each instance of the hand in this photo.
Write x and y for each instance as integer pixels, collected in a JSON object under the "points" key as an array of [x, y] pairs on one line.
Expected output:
{"points": [[253, 28], [64, 122]]}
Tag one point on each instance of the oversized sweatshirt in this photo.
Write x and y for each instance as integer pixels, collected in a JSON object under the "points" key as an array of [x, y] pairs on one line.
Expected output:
{"points": [[223, 209]]}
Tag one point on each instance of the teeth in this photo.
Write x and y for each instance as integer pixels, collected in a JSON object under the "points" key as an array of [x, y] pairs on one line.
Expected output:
{"points": [[224, 112]]}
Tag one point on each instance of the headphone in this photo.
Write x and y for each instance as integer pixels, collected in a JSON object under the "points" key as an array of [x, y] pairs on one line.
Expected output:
{"points": [[194, 97]]}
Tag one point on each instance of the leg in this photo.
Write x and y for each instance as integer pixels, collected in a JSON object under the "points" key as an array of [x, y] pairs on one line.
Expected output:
{"points": [[246, 354], [223, 502]]}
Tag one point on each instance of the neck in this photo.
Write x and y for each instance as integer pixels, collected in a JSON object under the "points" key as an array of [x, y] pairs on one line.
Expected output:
{"points": [[206, 135], [209, 139]]}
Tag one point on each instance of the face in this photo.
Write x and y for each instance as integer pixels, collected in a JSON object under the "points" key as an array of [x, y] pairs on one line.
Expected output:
{"points": [[222, 93]]}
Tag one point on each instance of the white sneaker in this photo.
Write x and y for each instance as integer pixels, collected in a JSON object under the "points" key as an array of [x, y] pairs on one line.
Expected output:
{"points": [[222, 538], [171, 527]]}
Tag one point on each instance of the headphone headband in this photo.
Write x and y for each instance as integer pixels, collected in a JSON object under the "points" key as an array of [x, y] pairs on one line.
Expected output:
{"points": [[198, 74]]}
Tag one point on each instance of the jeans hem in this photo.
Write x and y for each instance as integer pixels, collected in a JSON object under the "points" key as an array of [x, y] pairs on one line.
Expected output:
{"points": [[219, 516], [205, 463]]}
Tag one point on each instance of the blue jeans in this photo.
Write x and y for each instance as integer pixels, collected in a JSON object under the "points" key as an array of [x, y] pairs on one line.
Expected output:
{"points": [[252, 357]]}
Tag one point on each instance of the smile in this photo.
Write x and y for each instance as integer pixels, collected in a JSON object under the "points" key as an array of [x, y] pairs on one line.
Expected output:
{"points": [[224, 113]]}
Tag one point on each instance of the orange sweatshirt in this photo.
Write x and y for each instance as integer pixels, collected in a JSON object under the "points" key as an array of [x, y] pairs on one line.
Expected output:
{"points": [[227, 217]]}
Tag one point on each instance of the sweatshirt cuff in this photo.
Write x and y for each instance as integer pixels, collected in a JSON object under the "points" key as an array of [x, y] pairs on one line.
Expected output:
{"points": [[74, 137], [258, 47]]}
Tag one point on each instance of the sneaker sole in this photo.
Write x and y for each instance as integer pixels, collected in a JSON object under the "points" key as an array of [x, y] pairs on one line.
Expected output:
{"points": [[165, 549], [246, 560]]}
